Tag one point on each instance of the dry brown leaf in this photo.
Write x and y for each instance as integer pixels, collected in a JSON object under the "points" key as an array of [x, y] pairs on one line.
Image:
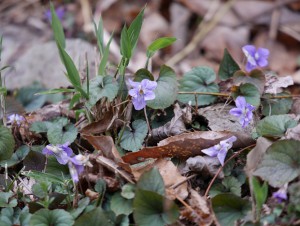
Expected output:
{"points": [[256, 154], [91, 194], [201, 214], [181, 146], [274, 84], [170, 175], [293, 133]]}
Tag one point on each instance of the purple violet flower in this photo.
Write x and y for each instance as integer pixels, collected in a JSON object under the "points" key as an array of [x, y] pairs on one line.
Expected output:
{"points": [[281, 194], [255, 58], [243, 111], [15, 118], [60, 12], [65, 155], [220, 150], [141, 92]]}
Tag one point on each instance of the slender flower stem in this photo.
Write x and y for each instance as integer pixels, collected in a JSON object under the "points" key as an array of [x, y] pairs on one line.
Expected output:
{"points": [[206, 93], [220, 169], [146, 117]]}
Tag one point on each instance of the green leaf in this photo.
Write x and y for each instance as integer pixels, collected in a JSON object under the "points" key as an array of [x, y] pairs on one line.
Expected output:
{"points": [[135, 29], [95, 217], [132, 140], [152, 181], [166, 90], [58, 31], [255, 77], [3, 91], [41, 176], [16, 216], [102, 87], [143, 74], [102, 65], [100, 186], [281, 163], [128, 191], [228, 66], [250, 92], [158, 44], [229, 208], [279, 106], [17, 157], [54, 91], [274, 125], [40, 126], [99, 35], [60, 134], [125, 48], [82, 204], [41, 189], [120, 205], [232, 185], [199, 79], [7, 143], [45, 217], [7, 199], [152, 209], [260, 193]]}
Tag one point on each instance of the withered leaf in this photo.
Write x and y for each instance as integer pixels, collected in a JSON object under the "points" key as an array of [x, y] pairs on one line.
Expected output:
{"points": [[181, 146]]}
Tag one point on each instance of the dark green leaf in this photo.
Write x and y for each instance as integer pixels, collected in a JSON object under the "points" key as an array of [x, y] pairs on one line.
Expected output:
{"points": [[102, 65], [250, 92], [102, 87], [17, 157], [158, 44], [274, 125], [232, 185], [152, 209], [100, 186], [40, 126], [152, 181], [166, 90], [281, 163], [143, 74], [82, 204], [99, 35], [7, 199], [135, 29], [60, 134], [7, 143], [58, 31], [255, 77], [199, 79], [132, 140], [272, 106], [229, 208], [45, 217], [228, 66], [260, 193], [120, 205], [126, 48], [95, 217], [40, 176]]}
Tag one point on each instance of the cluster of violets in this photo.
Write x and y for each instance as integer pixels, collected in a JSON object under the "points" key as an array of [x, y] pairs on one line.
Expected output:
{"points": [[64, 155]]}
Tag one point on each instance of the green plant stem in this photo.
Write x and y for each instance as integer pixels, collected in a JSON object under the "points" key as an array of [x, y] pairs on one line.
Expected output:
{"points": [[220, 169], [147, 63], [206, 93]]}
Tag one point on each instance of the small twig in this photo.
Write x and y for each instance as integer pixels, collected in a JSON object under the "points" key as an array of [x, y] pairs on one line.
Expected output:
{"points": [[220, 169], [281, 97], [206, 93], [117, 105], [183, 181]]}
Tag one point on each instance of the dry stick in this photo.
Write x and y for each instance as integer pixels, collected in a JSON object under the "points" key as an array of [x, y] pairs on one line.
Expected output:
{"points": [[174, 186], [204, 28], [206, 93], [220, 169]]}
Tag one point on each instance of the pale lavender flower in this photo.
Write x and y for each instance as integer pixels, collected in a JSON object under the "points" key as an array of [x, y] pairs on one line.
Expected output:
{"points": [[15, 118], [243, 111], [141, 92], [255, 58], [65, 155], [60, 12], [220, 150], [281, 194]]}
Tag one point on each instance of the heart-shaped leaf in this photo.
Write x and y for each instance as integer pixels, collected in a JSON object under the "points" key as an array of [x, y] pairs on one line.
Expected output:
{"points": [[152, 181], [7, 143], [60, 134], [250, 92], [228, 66], [278, 106], [199, 79], [229, 208], [132, 140], [95, 217], [152, 209], [143, 74], [120, 205], [17, 157], [281, 163], [255, 77], [7, 199], [274, 125], [45, 217], [166, 90], [102, 86]]}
